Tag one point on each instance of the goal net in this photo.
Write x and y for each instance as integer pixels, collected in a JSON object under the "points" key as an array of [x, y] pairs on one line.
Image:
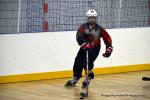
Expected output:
{"points": [[67, 15]]}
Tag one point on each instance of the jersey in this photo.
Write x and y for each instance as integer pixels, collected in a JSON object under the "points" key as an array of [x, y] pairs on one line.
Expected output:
{"points": [[93, 35]]}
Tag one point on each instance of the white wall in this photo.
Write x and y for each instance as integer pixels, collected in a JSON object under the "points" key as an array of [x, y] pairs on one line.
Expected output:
{"points": [[131, 46], [55, 51]]}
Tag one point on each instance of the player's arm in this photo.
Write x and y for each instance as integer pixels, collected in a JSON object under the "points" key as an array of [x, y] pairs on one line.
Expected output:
{"points": [[106, 38], [108, 42], [80, 36]]}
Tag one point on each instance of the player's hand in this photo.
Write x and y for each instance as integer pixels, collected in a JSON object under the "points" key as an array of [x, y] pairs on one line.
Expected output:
{"points": [[86, 46], [108, 52]]}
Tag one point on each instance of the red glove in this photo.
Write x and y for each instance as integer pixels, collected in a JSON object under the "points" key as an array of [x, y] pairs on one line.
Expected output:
{"points": [[86, 46], [108, 52]]}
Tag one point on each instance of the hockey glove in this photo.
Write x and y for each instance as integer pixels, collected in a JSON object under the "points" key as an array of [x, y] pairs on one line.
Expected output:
{"points": [[108, 52], [86, 46]]}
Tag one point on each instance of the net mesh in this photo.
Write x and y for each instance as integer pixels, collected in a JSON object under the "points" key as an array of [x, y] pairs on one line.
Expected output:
{"points": [[68, 15]]}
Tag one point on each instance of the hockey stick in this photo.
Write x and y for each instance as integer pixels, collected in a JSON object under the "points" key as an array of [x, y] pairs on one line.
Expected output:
{"points": [[85, 93], [146, 78]]}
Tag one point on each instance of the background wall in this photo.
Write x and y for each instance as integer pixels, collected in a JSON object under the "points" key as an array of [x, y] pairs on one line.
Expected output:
{"points": [[67, 15], [55, 51]]}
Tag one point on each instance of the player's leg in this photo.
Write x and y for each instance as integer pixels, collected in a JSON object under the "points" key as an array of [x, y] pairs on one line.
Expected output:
{"points": [[92, 55], [80, 61]]}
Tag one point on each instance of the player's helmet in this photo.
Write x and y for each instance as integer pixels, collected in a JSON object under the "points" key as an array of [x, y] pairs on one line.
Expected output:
{"points": [[91, 13]]}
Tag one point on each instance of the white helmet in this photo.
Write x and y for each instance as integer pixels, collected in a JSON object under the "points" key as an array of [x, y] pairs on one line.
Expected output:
{"points": [[91, 12]]}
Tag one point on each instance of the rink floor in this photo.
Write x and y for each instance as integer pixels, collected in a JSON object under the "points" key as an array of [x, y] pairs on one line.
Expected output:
{"points": [[121, 86]]}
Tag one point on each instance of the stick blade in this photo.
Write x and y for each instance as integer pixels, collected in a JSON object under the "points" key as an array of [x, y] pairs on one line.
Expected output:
{"points": [[146, 78], [83, 95]]}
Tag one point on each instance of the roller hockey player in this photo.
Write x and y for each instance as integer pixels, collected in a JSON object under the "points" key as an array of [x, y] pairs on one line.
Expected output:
{"points": [[88, 37]]}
